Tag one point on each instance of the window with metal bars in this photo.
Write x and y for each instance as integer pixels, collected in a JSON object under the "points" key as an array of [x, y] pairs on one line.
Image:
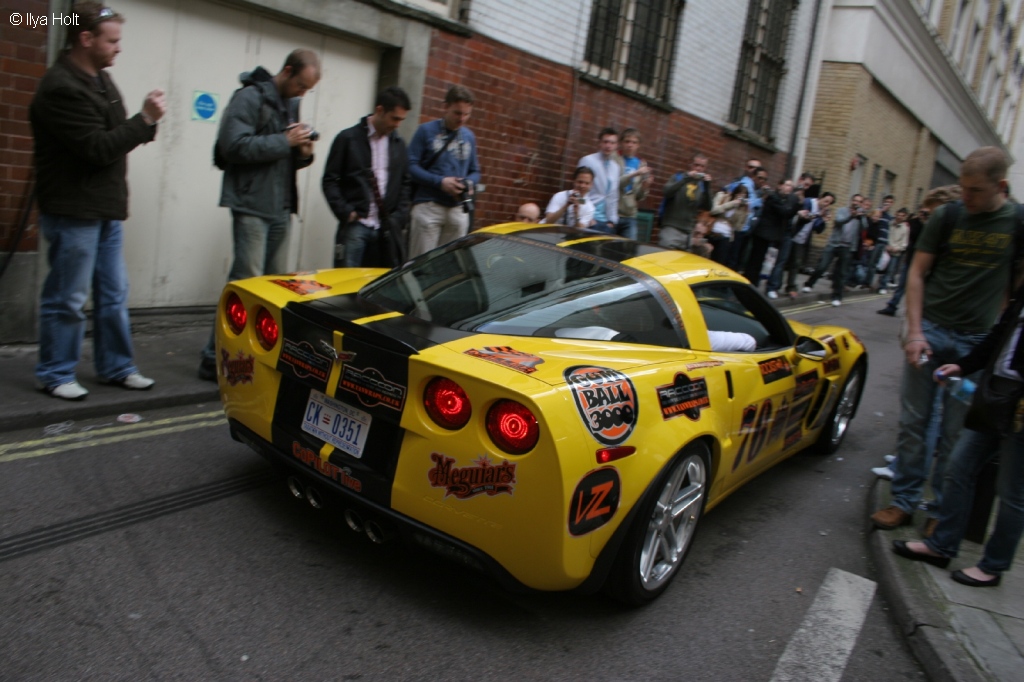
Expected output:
{"points": [[631, 42], [762, 66]]}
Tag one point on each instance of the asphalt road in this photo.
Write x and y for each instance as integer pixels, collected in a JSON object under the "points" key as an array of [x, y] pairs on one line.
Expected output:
{"points": [[164, 550]]}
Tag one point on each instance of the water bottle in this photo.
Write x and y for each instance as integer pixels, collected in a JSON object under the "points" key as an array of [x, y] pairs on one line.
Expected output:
{"points": [[961, 389]]}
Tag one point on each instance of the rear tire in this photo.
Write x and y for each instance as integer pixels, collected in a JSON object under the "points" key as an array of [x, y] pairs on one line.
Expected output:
{"points": [[838, 423], [663, 530]]}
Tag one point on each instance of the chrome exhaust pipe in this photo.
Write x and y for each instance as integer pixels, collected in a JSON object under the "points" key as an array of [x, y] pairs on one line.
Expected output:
{"points": [[354, 520], [376, 533], [314, 498], [295, 488]]}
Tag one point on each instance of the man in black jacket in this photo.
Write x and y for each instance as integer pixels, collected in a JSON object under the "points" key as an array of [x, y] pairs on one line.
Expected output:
{"points": [[82, 138], [366, 182], [773, 228]]}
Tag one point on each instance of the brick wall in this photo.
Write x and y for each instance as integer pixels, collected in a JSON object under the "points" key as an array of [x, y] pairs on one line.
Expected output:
{"points": [[22, 64], [533, 121]]}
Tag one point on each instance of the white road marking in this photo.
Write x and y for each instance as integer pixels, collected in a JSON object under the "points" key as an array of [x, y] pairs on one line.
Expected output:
{"points": [[819, 650]]}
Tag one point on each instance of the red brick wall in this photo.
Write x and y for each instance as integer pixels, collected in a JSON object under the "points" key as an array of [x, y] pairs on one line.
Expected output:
{"points": [[22, 64], [533, 121]]}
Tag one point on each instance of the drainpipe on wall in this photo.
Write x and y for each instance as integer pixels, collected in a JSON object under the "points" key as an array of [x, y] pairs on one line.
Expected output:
{"points": [[791, 159]]}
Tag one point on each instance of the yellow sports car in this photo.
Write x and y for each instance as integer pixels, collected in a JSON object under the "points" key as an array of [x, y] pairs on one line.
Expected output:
{"points": [[556, 408]]}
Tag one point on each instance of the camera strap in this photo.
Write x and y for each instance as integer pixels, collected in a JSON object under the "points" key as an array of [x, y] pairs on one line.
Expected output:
{"points": [[437, 154]]}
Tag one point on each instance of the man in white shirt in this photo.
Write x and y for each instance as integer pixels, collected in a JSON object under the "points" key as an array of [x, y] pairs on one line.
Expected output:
{"points": [[606, 165], [573, 207]]}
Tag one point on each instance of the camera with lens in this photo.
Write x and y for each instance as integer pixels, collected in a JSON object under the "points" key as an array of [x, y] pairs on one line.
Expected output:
{"points": [[314, 135], [465, 198]]}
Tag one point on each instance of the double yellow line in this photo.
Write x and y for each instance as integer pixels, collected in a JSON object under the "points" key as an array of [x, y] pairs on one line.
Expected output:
{"points": [[10, 452]]}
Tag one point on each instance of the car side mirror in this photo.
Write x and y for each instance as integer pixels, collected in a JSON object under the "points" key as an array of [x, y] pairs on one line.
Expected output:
{"points": [[809, 348]]}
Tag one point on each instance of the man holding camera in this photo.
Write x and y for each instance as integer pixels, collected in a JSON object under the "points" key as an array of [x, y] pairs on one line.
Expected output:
{"points": [[366, 183], [571, 207], [686, 195], [444, 170], [849, 224], [260, 146]]}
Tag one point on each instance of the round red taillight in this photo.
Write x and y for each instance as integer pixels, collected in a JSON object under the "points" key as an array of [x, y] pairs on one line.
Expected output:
{"points": [[236, 313], [447, 404], [266, 329], [512, 427]]}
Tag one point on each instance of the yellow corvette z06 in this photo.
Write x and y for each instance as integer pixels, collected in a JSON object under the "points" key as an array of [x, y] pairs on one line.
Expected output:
{"points": [[558, 409]]}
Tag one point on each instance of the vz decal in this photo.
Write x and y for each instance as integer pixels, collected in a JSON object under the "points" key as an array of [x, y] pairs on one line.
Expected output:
{"points": [[595, 501], [684, 396], [606, 401], [775, 369]]}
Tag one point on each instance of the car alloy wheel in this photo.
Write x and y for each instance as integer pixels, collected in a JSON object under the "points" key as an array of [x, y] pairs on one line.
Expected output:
{"points": [[664, 528], [839, 421]]}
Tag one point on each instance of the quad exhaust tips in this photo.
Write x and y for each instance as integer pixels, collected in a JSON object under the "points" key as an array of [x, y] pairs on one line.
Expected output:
{"points": [[378, 533]]}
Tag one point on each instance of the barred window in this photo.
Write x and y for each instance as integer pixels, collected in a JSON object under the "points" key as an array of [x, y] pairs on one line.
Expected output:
{"points": [[631, 42], [762, 66]]}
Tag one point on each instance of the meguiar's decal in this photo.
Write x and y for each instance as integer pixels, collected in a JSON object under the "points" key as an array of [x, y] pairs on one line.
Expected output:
{"points": [[606, 401], [372, 388], [703, 364], [238, 369], [594, 501], [506, 356], [831, 365], [481, 478], [805, 384], [775, 369], [303, 287], [305, 361], [830, 341], [684, 396], [331, 471]]}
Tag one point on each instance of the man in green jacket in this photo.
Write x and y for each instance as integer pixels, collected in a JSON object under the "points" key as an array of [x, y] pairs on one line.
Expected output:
{"points": [[82, 138]]}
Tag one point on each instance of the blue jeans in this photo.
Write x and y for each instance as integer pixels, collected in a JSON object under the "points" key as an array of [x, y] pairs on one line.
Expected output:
{"points": [[894, 302], [917, 397], [361, 244], [785, 247], [83, 253], [626, 227], [261, 248], [841, 256], [973, 451]]}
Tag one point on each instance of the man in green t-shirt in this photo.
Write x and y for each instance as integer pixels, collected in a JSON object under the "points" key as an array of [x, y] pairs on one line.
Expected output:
{"points": [[956, 286]]}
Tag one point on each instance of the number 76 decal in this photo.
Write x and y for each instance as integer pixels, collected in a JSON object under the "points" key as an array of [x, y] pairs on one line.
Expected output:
{"points": [[753, 432]]}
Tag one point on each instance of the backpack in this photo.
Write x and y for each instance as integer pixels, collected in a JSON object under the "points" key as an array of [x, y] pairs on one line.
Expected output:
{"points": [[265, 113]]}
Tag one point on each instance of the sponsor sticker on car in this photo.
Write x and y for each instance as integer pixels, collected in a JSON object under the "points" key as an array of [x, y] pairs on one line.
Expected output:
{"points": [[343, 426], [606, 401]]}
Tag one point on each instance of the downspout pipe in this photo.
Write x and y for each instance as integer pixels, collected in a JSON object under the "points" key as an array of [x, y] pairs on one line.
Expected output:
{"points": [[803, 90]]}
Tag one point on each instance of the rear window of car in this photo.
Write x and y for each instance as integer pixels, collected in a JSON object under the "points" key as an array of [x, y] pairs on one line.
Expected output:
{"points": [[496, 285]]}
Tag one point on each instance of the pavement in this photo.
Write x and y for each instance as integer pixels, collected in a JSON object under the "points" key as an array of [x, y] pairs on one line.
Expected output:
{"points": [[956, 632]]}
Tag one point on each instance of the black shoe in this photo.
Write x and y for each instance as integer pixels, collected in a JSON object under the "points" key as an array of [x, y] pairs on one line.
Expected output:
{"points": [[207, 370], [900, 547], [891, 312], [965, 579]]}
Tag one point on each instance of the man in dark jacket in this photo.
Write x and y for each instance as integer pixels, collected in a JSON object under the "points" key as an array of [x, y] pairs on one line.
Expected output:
{"points": [[773, 228], [366, 183], [260, 146], [82, 138], [686, 195]]}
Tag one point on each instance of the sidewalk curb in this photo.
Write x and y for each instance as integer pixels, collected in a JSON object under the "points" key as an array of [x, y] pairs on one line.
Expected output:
{"points": [[905, 585]]}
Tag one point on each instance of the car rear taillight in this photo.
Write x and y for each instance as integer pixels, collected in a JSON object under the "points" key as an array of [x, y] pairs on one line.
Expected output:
{"points": [[236, 313], [447, 404], [512, 427], [266, 329]]}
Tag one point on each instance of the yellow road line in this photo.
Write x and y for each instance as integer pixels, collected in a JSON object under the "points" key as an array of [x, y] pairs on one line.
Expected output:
{"points": [[79, 435], [134, 435]]}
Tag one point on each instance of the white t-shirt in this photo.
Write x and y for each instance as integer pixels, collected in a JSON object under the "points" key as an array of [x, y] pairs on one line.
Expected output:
{"points": [[586, 210]]}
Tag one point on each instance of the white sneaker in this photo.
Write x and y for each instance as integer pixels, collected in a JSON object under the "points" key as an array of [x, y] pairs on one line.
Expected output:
{"points": [[69, 391], [836, 303], [806, 290], [133, 382], [883, 291], [773, 295], [889, 459], [883, 472]]}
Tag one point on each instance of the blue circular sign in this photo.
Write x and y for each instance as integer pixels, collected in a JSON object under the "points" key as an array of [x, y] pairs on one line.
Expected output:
{"points": [[205, 106]]}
